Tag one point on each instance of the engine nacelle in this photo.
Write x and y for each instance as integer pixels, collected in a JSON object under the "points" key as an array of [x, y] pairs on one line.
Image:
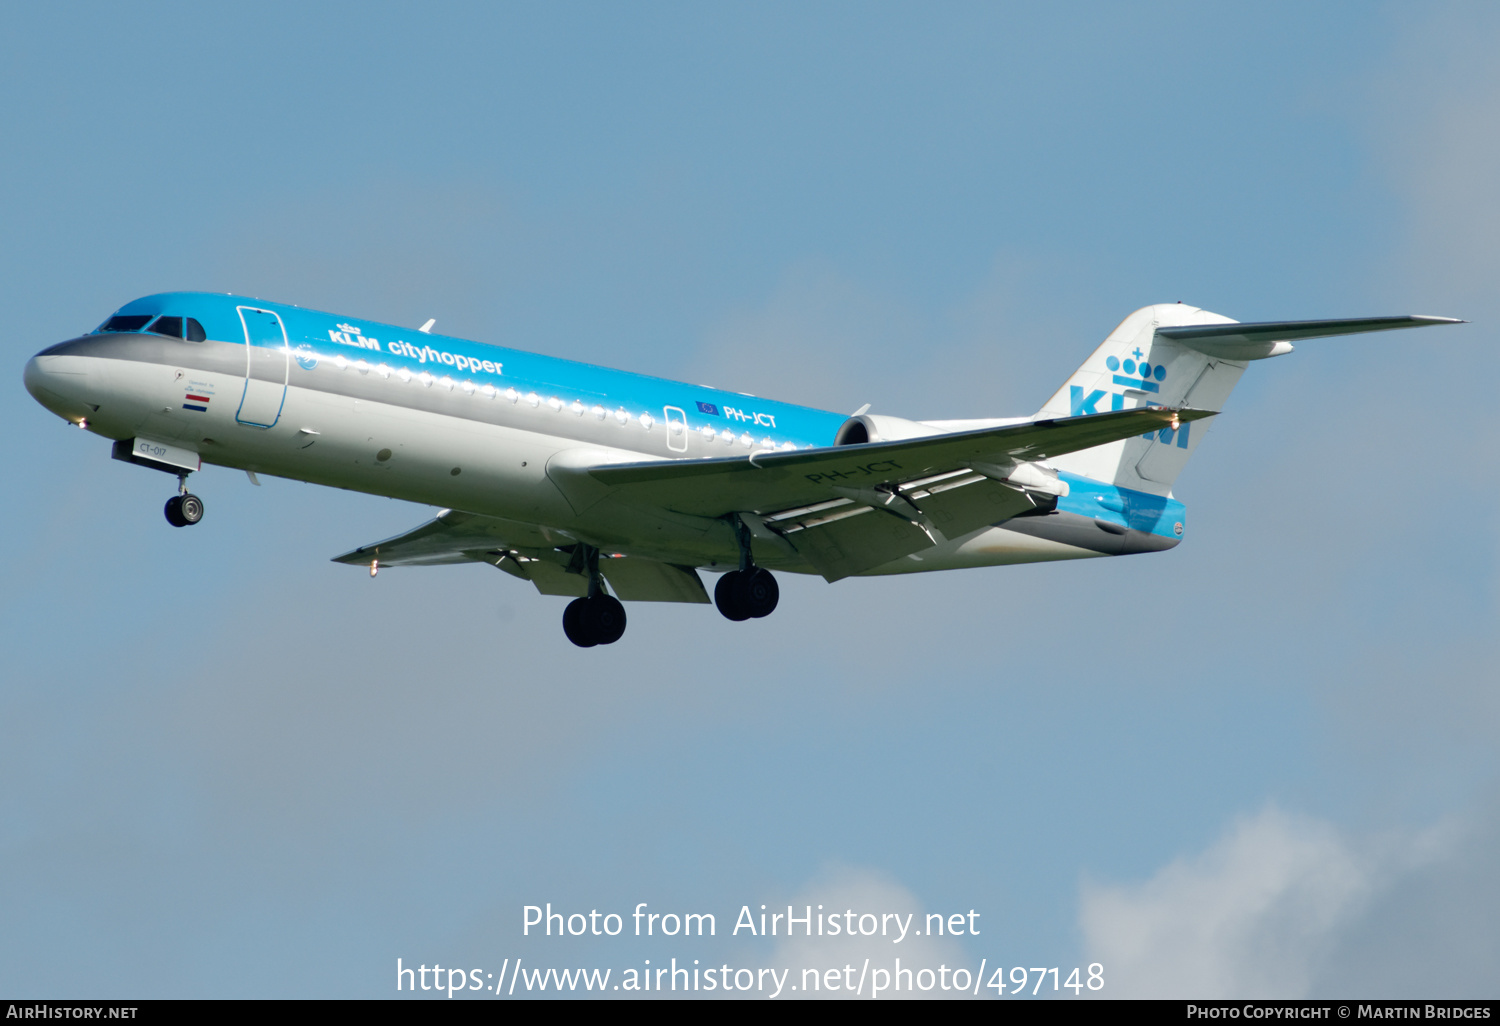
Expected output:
{"points": [[875, 428], [1029, 477]]}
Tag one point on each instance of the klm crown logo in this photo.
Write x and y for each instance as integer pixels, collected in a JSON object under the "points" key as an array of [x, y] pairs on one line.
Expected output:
{"points": [[1145, 371]]}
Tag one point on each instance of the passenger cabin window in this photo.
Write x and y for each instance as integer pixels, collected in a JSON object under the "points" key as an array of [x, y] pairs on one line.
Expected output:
{"points": [[128, 322]]}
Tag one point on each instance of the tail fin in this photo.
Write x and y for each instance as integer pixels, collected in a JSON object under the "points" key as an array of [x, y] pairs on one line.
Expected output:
{"points": [[1176, 355]]}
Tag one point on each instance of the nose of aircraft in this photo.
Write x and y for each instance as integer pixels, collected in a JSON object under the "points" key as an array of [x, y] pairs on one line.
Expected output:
{"points": [[59, 380]]}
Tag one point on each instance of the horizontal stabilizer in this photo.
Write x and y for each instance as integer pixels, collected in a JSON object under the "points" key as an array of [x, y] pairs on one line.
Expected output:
{"points": [[1257, 340]]}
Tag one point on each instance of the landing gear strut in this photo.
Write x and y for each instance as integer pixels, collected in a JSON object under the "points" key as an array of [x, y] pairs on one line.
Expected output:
{"points": [[184, 508], [749, 592], [598, 619]]}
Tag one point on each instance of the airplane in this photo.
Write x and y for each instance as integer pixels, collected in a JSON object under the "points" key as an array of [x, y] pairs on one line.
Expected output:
{"points": [[604, 485]]}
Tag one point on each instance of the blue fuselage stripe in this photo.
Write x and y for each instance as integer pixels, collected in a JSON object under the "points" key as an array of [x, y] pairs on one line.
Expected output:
{"points": [[1141, 511]]}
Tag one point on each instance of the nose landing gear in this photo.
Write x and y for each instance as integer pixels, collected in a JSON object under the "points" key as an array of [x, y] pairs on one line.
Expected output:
{"points": [[183, 509], [598, 619], [749, 592]]}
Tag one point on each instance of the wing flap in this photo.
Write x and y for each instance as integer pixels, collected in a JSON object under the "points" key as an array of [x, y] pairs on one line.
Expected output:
{"points": [[551, 578], [849, 537], [975, 502], [646, 580], [856, 539]]}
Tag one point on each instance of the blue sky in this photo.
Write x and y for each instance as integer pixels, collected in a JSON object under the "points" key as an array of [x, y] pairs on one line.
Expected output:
{"points": [[1262, 763]]}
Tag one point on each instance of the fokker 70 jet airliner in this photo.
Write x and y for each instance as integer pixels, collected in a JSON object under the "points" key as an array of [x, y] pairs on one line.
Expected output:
{"points": [[606, 485]]}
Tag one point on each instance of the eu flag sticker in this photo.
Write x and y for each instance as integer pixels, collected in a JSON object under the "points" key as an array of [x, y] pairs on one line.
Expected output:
{"points": [[708, 408]]}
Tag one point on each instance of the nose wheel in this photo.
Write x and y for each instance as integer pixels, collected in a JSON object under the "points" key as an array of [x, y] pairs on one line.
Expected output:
{"points": [[184, 510]]}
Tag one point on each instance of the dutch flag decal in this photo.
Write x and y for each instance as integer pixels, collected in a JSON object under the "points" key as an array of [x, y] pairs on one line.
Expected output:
{"points": [[195, 402]]}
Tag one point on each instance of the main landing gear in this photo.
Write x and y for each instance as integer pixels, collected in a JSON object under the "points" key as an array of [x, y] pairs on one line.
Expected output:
{"points": [[183, 509], [746, 594], [749, 592], [598, 619]]}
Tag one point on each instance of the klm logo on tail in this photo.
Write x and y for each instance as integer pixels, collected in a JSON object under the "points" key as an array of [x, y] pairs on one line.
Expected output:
{"points": [[1135, 377]]}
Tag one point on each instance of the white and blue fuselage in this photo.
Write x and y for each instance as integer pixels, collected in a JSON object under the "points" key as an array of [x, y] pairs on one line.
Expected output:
{"points": [[275, 389]]}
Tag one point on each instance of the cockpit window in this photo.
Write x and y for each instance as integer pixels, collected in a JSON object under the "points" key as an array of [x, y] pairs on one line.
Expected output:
{"points": [[195, 332], [167, 326], [128, 322]]}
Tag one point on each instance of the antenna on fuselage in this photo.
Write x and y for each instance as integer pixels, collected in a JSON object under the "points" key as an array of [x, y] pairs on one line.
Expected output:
{"points": [[427, 328]]}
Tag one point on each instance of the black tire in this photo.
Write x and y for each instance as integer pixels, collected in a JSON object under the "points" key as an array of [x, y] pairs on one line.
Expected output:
{"points": [[606, 619], [727, 598], [756, 593], [173, 511], [576, 624], [190, 508]]}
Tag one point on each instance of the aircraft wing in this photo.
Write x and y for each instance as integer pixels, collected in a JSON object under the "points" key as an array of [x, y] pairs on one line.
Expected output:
{"points": [[778, 480], [525, 551], [846, 509], [841, 509]]}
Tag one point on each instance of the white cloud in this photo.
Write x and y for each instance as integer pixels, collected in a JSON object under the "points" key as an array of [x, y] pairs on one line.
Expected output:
{"points": [[1253, 916]]}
